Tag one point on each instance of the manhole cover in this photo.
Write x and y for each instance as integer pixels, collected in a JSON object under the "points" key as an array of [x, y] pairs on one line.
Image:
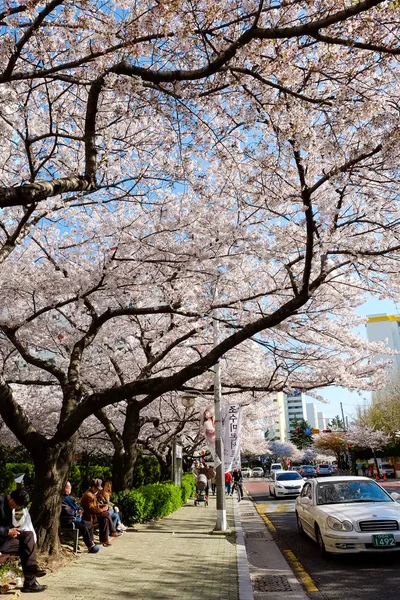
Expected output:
{"points": [[255, 534], [247, 514], [271, 583]]}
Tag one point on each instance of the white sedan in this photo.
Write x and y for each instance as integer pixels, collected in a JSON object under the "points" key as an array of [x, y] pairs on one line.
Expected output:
{"points": [[285, 483], [349, 515]]}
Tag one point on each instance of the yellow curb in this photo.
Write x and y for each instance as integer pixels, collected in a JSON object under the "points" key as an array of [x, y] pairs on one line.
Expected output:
{"points": [[304, 577]]}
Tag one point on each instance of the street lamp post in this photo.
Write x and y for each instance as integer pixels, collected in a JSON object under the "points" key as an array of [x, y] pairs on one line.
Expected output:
{"points": [[221, 524]]}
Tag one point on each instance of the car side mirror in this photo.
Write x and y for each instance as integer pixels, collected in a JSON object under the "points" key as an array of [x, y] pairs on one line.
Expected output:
{"points": [[305, 500], [395, 496]]}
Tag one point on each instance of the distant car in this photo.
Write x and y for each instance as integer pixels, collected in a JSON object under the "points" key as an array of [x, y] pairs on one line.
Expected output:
{"points": [[308, 471], [347, 515], [323, 470], [246, 472], [286, 483], [296, 468], [275, 467], [334, 469], [387, 469], [258, 472]]}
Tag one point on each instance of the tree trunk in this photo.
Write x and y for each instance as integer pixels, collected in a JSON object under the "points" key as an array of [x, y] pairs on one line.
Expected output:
{"points": [[125, 456], [124, 467], [51, 471]]}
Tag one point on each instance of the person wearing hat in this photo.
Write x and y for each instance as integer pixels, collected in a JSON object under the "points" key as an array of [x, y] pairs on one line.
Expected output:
{"points": [[98, 513], [22, 543]]}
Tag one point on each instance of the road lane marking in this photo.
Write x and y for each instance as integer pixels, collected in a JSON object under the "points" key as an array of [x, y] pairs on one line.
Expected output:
{"points": [[304, 577], [261, 509]]}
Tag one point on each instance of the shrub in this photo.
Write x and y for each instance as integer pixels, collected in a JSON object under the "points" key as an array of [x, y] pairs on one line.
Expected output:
{"points": [[7, 480], [152, 501], [93, 472], [27, 468], [147, 470], [75, 479], [132, 506], [188, 487]]}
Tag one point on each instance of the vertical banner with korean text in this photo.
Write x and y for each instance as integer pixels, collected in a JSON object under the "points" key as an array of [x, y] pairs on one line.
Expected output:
{"points": [[232, 425]]}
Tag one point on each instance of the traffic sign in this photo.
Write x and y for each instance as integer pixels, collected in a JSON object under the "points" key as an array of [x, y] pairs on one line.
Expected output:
{"points": [[315, 431]]}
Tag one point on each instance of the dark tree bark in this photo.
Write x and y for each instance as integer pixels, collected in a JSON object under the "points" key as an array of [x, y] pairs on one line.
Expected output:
{"points": [[51, 471]]}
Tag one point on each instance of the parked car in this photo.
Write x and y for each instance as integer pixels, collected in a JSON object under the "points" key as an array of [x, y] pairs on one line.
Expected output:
{"points": [[308, 471], [387, 469], [323, 470], [246, 472], [286, 483], [296, 468], [346, 515], [258, 472], [275, 467]]}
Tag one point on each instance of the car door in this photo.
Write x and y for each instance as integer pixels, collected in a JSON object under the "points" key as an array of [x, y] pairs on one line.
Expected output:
{"points": [[305, 510]]}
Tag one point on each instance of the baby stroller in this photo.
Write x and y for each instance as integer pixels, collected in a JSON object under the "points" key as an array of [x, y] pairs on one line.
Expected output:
{"points": [[201, 490]]}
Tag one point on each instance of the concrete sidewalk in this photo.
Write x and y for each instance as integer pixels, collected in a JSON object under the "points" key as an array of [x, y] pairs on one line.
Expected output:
{"points": [[178, 557]]}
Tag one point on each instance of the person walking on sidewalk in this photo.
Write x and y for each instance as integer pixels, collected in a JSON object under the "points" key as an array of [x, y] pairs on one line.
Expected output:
{"points": [[238, 483], [228, 482], [22, 543]]}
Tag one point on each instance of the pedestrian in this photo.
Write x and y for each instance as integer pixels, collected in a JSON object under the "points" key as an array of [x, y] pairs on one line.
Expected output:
{"points": [[238, 482], [214, 484], [228, 482], [363, 469], [22, 543], [98, 513]]}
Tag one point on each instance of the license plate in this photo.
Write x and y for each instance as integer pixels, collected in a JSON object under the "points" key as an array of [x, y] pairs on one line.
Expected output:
{"points": [[383, 540]]}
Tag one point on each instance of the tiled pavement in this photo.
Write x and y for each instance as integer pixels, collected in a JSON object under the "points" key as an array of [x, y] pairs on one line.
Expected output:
{"points": [[176, 557]]}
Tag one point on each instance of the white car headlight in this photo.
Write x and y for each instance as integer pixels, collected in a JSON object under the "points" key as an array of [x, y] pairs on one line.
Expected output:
{"points": [[337, 525], [278, 485]]}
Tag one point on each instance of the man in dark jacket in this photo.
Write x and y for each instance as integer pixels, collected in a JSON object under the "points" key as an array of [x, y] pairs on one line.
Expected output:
{"points": [[238, 483], [22, 543], [71, 516]]}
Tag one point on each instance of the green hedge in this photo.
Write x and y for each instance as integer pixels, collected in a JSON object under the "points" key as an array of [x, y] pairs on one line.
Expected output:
{"points": [[188, 487], [7, 480], [154, 501]]}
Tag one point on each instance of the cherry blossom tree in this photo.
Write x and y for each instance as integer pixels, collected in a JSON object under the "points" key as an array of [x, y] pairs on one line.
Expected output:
{"points": [[368, 437], [154, 154]]}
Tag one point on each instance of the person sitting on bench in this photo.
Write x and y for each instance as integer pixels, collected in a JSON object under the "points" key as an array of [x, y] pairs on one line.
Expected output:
{"points": [[71, 514], [95, 512], [22, 543]]}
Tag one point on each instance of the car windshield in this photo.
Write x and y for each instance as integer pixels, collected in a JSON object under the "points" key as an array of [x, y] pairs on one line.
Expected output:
{"points": [[352, 491], [288, 476], [305, 468], [324, 466]]}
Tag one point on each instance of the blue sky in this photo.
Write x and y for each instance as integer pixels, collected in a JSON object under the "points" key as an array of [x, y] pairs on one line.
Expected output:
{"points": [[336, 395]]}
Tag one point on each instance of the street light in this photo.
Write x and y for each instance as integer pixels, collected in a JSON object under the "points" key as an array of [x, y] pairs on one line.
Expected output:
{"points": [[188, 400]]}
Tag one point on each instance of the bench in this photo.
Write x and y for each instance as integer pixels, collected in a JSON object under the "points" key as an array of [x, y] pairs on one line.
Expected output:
{"points": [[73, 532]]}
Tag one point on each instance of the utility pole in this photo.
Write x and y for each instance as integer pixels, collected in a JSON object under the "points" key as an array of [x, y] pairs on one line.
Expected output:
{"points": [[344, 422], [221, 524]]}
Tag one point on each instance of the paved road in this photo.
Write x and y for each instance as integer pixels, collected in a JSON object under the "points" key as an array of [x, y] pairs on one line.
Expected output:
{"points": [[372, 577]]}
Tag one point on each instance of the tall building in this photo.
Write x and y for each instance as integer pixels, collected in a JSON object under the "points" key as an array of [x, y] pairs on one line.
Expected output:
{"points": [[322, 421], [289, 407], [385, 328], [312, 415]]}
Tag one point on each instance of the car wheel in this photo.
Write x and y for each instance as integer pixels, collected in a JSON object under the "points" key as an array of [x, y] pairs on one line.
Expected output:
{"points": [[320, 542], [299, 525]]}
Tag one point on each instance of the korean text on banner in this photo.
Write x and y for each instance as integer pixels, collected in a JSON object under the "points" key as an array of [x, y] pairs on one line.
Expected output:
{"points": [[232, 426]]}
